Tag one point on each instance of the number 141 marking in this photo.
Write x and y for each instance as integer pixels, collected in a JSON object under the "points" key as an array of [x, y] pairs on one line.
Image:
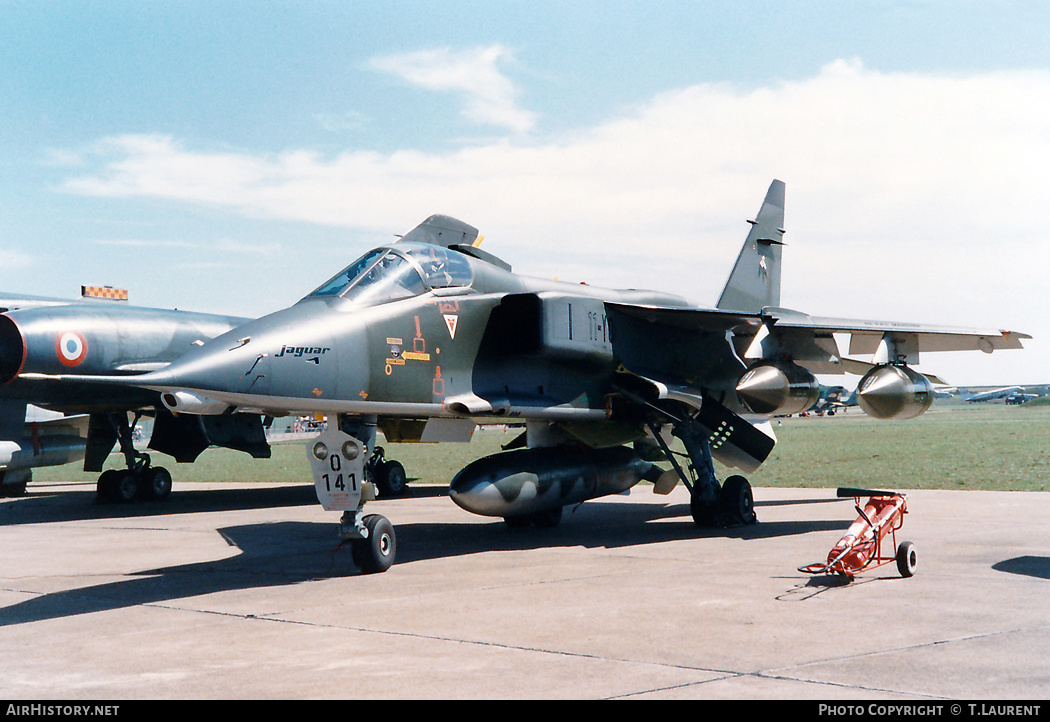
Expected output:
{"points": [[336, 462]]}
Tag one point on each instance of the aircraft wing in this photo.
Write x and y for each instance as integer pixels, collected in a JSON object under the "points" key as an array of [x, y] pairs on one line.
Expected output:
{"points": [[681, 354], [669, 341], [693, 319], [679, 344], [865, 336]]}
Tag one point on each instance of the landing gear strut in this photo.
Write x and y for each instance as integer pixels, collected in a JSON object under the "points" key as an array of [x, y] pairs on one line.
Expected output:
{"points": [[139, 480], [710, 503]]}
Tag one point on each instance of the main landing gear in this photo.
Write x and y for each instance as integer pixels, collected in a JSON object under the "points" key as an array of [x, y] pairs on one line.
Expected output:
{"points": [[139, 480], [710, 504], [388, 475]]}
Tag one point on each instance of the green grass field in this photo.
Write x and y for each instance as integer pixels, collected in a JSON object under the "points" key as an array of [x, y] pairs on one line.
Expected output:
{"points": [[983, 446]]}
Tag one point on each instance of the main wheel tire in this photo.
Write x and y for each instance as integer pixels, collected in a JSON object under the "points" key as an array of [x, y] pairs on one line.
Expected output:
{"points": [[906, 559], [106, 485], [737, 500], [156, 483], [127, 487], [376, 553], [13, 491], [392, 480], [10, 491]]}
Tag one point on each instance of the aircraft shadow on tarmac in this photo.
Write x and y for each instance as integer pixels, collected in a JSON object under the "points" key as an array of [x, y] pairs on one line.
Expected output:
{"points": [[1038, 567], [76, 503], [286, 553]]}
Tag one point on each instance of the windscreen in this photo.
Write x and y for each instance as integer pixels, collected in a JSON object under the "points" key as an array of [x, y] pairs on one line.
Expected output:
{"points": [[388, 279], [386, 274], [348, 275]]}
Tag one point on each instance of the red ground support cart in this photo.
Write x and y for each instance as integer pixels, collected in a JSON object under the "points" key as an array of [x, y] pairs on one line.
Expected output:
{"points": [[861, 547]]}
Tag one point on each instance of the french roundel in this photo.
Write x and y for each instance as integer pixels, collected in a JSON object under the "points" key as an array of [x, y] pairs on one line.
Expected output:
{"points": [[71, 348]]}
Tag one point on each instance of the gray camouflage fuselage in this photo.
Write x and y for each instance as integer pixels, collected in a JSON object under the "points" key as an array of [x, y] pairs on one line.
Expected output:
{"points": [[504, 346]]}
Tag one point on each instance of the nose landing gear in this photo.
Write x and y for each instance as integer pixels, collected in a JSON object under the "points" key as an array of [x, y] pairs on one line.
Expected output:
{"points": [[341, 466]]}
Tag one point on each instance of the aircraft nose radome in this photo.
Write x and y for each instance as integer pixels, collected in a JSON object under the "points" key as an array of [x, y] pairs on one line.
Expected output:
{"points": [[209, 370]]}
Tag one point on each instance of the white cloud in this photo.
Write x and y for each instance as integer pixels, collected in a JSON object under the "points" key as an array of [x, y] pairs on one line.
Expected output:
{"points": [[923, 193], [139, 243], [490, 97], [868, 157], [15, 260]]}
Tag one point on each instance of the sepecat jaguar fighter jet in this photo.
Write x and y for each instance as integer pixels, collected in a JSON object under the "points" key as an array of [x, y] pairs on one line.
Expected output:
{"points": [[429, 336]]}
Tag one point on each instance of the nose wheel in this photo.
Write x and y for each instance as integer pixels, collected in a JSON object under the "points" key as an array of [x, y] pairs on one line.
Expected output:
{"points": [[375, 553]]}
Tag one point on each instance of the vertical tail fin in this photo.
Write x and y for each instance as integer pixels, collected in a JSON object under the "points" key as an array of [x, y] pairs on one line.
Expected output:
{"points": [[755, 280]]}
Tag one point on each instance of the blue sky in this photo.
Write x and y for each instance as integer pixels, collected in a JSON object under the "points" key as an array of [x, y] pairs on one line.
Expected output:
{"points": [[230, 156]]}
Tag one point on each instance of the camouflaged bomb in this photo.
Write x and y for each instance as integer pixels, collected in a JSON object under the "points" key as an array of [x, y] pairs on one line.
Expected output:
{"points": [[525, 482]]}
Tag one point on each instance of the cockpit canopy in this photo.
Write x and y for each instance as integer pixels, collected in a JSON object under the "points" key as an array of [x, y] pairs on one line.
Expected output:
{"points": [[390, 274]]}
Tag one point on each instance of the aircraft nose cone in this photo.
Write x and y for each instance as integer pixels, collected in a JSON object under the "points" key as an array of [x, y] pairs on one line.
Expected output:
{"points": [[289, 354]]}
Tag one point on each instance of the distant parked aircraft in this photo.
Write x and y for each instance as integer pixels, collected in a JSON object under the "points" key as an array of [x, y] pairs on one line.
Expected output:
{"points": [[1006, 392]]}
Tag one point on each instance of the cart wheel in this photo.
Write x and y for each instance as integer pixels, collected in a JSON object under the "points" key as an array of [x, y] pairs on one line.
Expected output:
{"points": [[906, 559]]}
